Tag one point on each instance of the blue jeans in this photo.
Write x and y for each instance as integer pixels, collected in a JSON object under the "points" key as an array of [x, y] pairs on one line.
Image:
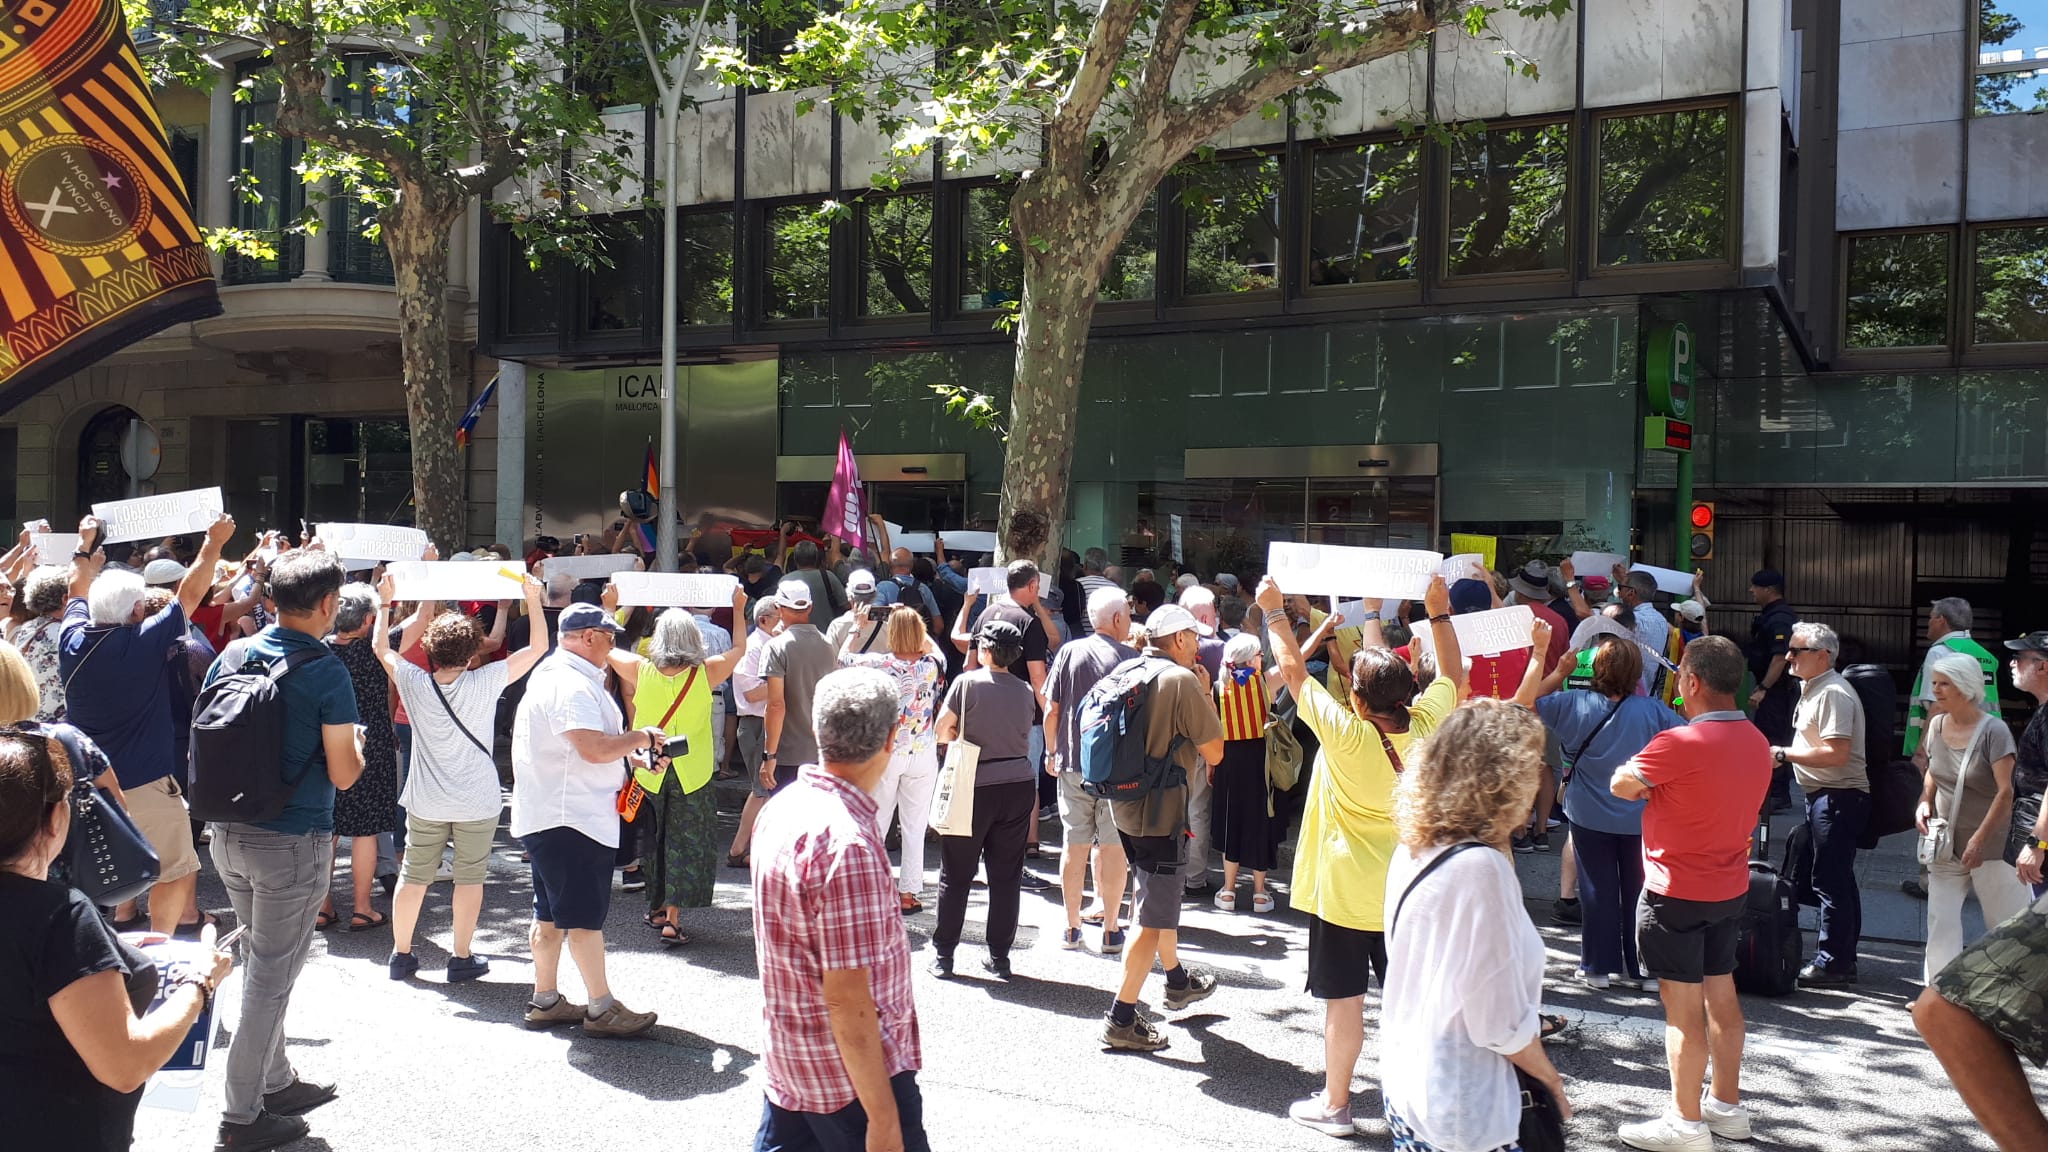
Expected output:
{"points": [[1835, 817], [1610, 883], [843, 1131]]}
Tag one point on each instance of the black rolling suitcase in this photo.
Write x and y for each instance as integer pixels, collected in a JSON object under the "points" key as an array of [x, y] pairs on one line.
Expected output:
{"points": [[1768, 956]]}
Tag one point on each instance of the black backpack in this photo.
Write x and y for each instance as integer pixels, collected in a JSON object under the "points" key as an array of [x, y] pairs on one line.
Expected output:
{"points": [[237, 767]]}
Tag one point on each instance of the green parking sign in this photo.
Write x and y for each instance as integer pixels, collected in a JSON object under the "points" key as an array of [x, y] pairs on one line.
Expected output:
{"points": [[1668, 372]]}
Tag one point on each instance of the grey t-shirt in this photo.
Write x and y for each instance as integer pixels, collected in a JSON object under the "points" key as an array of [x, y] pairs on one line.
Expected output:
{"points": [[1980, 785], [1076, 668], [1829, 709], [449, 777], [799, 657], [995, 711]]}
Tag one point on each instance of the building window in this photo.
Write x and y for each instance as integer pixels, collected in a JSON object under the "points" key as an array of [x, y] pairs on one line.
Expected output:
{"points": [[1664, 187], [2012, 57], [992, 271], [1232, 229], [531, 301], [796, 265], [372, 87], [1134, 268], [704, 242], [1508, 200], [1363, 220], [185, 153], [268, 194], [1898, 291], [2010, 298], [615, 288], [896, 254]]}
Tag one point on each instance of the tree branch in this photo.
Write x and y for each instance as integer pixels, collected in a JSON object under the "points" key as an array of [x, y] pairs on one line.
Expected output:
{"points": [[1067, 133], [1169, 36], [1189, 124], [303, 111]]}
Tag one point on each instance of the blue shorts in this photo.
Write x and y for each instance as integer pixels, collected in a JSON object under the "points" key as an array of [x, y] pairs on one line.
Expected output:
{"points": [[572, 878]]}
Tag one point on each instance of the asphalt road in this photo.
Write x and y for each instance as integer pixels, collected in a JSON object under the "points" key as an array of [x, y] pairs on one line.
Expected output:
{"points": [[428, 1065]]}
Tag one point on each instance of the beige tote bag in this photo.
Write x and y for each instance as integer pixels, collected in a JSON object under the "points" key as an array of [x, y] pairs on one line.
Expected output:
{"points": [[952, 811]]}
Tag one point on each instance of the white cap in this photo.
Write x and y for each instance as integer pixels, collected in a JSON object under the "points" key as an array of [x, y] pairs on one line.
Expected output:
{"points": [[793, 594], [1167, 619], [160, 572], [860, 581]]}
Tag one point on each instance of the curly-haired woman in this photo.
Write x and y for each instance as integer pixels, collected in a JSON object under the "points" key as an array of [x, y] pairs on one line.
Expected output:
{"points": [[1464, 986]]}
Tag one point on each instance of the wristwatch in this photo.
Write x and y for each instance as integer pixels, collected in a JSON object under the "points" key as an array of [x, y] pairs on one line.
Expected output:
{"points": [[767, 756], [81, 554], [2040, 845]]}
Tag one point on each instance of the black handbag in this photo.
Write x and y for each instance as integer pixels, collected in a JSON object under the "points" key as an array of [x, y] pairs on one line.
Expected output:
{"points": [[1542, 1127], [108, 858]]}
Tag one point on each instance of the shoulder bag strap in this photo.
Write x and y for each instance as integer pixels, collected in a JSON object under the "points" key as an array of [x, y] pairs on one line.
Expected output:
{"points": [[1573, 757], [82, 659], [1387, 744], [678, 701], [450, 709], [1969, 753], [1433, 865]]}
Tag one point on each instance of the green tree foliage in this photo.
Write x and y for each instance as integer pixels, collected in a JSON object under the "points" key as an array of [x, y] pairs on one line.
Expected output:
{"points": [[1093, 104], [409, 110]]}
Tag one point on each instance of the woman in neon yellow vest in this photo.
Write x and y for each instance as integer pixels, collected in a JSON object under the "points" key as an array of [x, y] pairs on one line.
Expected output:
{"points": [[672, 689]]}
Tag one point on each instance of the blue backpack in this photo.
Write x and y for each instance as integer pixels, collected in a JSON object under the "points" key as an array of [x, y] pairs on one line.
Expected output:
{"points": [[1114, 718]]}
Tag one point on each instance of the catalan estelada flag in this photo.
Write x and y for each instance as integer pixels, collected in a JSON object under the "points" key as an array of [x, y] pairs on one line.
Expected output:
{"points": [[97, 245], [476, 409]]}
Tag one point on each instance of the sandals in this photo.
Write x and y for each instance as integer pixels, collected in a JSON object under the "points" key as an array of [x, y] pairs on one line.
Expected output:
{"points": [[656, 920], [672, 938], [910, 904], [191, 931], [367, 921], [325, 920], [1094, 917], [1262, 902], [1227, 901], [1552, 1026], [738, 859]]}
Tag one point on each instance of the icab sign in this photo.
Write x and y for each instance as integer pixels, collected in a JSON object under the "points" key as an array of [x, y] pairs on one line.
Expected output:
{"points": [[1668, 372]]}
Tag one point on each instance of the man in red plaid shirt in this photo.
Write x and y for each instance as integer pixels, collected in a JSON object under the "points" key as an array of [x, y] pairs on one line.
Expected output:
{"points": [[842, 1049]]}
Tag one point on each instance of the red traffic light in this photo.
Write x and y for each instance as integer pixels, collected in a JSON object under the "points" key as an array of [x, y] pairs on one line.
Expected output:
{"points": [[1703, 515]]}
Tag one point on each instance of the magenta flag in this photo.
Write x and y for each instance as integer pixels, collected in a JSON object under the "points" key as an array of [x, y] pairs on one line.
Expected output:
{"points": [[846, 504]]}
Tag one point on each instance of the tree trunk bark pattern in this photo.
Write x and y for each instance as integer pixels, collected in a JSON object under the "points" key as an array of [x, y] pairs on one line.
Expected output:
{"points": [[416, 233], [1052, 343]]}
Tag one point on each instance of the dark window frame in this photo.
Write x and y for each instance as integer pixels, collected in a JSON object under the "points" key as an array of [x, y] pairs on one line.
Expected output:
{"points": [[1376, 293], [756, 248], [1935, 354], [1170, 265], [351, 257], [1449, 285], [1977, 69], [855, 226], [1989, 352], [686, 333], [246, 117], [1731, 244], [577, 332]]}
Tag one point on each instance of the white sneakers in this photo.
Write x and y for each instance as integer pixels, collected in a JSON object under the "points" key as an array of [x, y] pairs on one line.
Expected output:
{"points": [[1312, 1113], [1668, 1133], [1671, 1133]]}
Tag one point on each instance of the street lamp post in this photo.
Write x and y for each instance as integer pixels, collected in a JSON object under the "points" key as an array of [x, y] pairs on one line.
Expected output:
{"points": [[670, 87]]}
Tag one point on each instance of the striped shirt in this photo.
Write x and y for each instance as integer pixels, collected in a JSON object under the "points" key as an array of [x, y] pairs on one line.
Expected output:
{"points": [[1243, 706], [824, 899]]}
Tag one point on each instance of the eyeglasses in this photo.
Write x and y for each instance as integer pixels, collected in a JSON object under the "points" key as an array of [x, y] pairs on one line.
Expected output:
{"points": [[1796, 648]]}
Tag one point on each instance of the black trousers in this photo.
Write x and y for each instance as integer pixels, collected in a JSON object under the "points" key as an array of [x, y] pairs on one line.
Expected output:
{"points": [[1004, 815]]}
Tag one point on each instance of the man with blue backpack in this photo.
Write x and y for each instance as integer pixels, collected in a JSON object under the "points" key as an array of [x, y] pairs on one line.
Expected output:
{"points": [[1145, 727]]}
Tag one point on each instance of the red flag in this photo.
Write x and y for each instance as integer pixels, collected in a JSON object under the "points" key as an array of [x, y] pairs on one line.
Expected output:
{"points": [[846, 504]]}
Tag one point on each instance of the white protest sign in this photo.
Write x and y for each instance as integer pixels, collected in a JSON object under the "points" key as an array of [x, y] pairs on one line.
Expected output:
{"points": [[968, 541], [1459, 567], [988, 581], [1599, 564], [1668, 579], [1595, 626], [674, 589], [1341, 570], [55, 547], [456, 580], [591, 567], [1352, 614], [373, 541], [922, 543], [155, 517], [1173, 537], [1494, 632]]}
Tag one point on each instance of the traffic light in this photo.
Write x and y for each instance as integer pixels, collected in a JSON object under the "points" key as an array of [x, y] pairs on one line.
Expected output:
{"points": [[1703, 530]]}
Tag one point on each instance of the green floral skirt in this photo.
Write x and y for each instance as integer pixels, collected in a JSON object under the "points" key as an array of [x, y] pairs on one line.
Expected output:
{"points": [[679, 846]]}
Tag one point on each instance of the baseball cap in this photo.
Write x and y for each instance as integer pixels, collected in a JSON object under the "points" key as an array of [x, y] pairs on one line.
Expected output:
{"points": [[1470, 596], [1000, 634], [1167, 619], [1768, 578], [860, 582], [1690, 609], [583, 617], [158, 573], [1596, 583], [2031, 642], [793, 594], [1532, 580]]}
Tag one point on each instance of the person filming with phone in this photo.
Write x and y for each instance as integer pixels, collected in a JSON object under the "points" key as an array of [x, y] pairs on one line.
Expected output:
{"points": [[77, 1036]]}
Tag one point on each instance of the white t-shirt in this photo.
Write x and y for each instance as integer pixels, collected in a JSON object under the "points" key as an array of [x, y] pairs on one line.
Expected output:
{"points": [[747, 676], [450, 778], [1464, 989], [553, 787]]}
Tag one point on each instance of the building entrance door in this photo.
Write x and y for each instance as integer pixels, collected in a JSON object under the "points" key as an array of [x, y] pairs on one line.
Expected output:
{"points": [[926, 493]]}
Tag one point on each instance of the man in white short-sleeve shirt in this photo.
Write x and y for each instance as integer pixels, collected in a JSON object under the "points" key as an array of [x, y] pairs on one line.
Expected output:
{"points": [[568, 741]]}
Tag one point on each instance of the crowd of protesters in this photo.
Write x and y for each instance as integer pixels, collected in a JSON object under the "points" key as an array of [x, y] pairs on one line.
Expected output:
{"points": [[840, 696]]}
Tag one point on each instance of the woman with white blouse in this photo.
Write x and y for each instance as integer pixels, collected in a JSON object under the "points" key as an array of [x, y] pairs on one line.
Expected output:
{"points": [[1464, 985]]}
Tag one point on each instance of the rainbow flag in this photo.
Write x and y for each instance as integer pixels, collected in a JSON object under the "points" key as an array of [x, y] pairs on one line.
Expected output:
{"points": [[651, 481]]}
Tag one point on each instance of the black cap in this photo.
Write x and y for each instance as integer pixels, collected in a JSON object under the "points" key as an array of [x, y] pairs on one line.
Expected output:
{"points": [[2031, 642], [1768, 578], [1001, 634]]}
